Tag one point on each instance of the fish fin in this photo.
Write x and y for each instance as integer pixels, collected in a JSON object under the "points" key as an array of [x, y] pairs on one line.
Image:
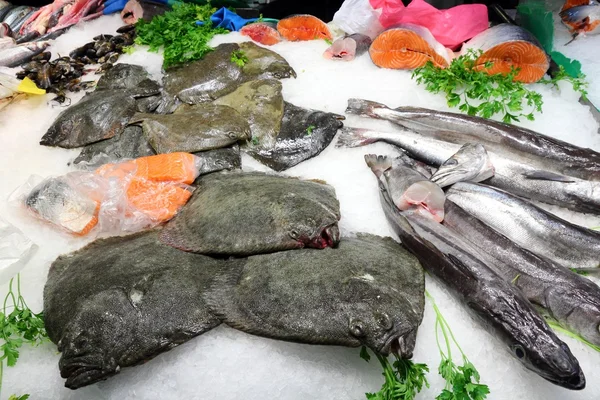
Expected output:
{"points": [[364, 107], [378, 164], [547, 176], [353, 137], [572, 38]]}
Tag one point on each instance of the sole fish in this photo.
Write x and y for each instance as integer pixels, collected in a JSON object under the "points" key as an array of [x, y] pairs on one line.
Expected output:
{"points": [[537, 230], [570, 299], [500, 307], [303, 27], [262, 32], [508, 47], [408, 46], [368, 291], [348, 47]]}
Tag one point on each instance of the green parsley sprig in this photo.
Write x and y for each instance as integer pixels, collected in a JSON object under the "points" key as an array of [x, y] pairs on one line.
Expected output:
{"points": [[239, 58], [403, 379], [579, 83], [552, 323], [310, 129]]}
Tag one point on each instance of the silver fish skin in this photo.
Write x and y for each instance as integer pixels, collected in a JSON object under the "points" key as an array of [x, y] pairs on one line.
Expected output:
{"points": [[535, 149], [20, 54], [543, 233], [570, 299], [500, 307], [471, 163], [514, 176]]}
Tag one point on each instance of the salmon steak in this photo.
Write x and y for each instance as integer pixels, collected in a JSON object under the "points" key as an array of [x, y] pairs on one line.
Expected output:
{"points": [[509, 47], [303, 27], [408, 46], [262, 32]]}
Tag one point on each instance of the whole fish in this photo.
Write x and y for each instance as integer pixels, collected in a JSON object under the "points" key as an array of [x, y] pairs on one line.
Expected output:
{"points": [[408, 188], [537, 230], [198, 128], [133, 78], [500, 307], [14, 15], [304, 133], [567, 297], [543, 152], [253, 213], [102, 304], [349, 47], [516, 177], [20, 54], [471, 163], [582, 19], [369, 291]]}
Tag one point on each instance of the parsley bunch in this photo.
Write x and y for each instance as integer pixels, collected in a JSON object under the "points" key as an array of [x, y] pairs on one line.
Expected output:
{"points": [[239, 58], [579, 84], [403, 379], [177, 33]]}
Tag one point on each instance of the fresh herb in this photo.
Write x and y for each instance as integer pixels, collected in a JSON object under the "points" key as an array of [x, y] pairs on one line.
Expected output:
{"points": [[260, 18], [579, 271], [177, 33], [239, 57], [554, 325], [255, 141], [22, 397], [403, 379], [129, 49], [309, 130], [329, 42], [462, 382], [475, 92], [579, 84], [515, 279]]}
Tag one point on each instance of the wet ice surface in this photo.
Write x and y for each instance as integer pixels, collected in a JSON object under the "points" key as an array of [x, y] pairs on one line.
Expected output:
{"points": [[224, 363]]}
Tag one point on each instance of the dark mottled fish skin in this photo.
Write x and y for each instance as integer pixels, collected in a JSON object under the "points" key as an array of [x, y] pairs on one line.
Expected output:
{"points": [[132, 78], [500, 307], [148, 104], [537, 150], [131, 143], [121, 301], [252, 213], [565, 296], [197, 128], [537, 230], [98, 116], [369, 291], [264, 63], [227, 158], [304, 134]]}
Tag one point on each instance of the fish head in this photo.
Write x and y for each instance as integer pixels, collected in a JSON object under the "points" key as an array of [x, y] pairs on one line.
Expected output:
{"points": [[470, 162], [584, 18], [426, 198]]}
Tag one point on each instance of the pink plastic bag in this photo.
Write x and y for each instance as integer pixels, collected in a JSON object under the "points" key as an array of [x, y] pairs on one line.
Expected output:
{"points": [[450, 27]]}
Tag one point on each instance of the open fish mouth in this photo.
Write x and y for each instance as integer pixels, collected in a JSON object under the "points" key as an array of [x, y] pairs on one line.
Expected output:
{"points": [[330, 237], [574, 382], [79, 372], [396, 344]]}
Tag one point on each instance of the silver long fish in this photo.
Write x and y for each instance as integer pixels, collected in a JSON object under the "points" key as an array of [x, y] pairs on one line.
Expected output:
{"points": [[498, 305], [572, 300], [471, 163], [514, 176], [20, 54], [540, 151], [529, 226]]}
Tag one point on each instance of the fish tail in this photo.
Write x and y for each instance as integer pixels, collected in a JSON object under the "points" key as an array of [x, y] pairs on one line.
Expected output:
{"points": [[353, 137], [378, 164], [364, 107]]}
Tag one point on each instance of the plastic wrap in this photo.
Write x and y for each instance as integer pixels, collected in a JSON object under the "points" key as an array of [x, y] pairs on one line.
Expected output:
{"points": [[358, 16], [15, 251]]}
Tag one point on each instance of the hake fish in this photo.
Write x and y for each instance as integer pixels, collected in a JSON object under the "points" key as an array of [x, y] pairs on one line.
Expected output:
{"points": [[529, 226], [570, 299], [538, 150], [17, 55], [349, 47], [471, 163], [499, 306]]}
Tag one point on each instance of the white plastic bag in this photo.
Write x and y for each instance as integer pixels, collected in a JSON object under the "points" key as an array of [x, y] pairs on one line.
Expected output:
{"points": [[358, 16], [15, 251]]}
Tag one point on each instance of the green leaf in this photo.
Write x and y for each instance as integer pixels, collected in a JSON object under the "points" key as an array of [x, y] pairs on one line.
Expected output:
{"points": [[329, 42], [309, 130], [364, 354], [22, 397]]}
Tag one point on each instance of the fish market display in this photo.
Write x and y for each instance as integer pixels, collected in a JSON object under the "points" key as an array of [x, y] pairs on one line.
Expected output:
{"points": [[503, 310], [253, 213], [142, 9], [264, 64], [408, 46], [98, 116], [408, 188], [303, 27], [16, 17], [348, 47], [581, 17], [508, 47], [471, 163], [17, 55], [369, 291], [537, 230], [304, 134], [196, 128], [262, 32], [136, 81], [120, 302], [226, 158], [105, 49], [567, 297]]}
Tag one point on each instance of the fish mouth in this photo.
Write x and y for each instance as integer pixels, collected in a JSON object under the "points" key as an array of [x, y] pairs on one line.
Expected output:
{"points": [[329, 237], [80, 372], [396, 344], [576, 381], [447, 178]]}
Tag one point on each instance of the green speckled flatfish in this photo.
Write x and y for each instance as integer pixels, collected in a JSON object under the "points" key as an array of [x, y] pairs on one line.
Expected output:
{"points": [[304, 134], [194, 128], [368, 291], [261, 103], [136, 81], [98, 116], [253, 213], [121, 301], [219, 159], [264, 63]]}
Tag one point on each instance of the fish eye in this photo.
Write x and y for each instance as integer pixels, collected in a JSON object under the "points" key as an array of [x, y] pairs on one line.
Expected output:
{"points": [[232, 135], [519, 351], [294, 234], [451, 162], [357, 328], [384, 320]]}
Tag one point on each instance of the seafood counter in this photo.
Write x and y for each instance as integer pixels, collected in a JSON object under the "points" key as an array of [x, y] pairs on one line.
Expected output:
{"points": [[290, 211]]}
